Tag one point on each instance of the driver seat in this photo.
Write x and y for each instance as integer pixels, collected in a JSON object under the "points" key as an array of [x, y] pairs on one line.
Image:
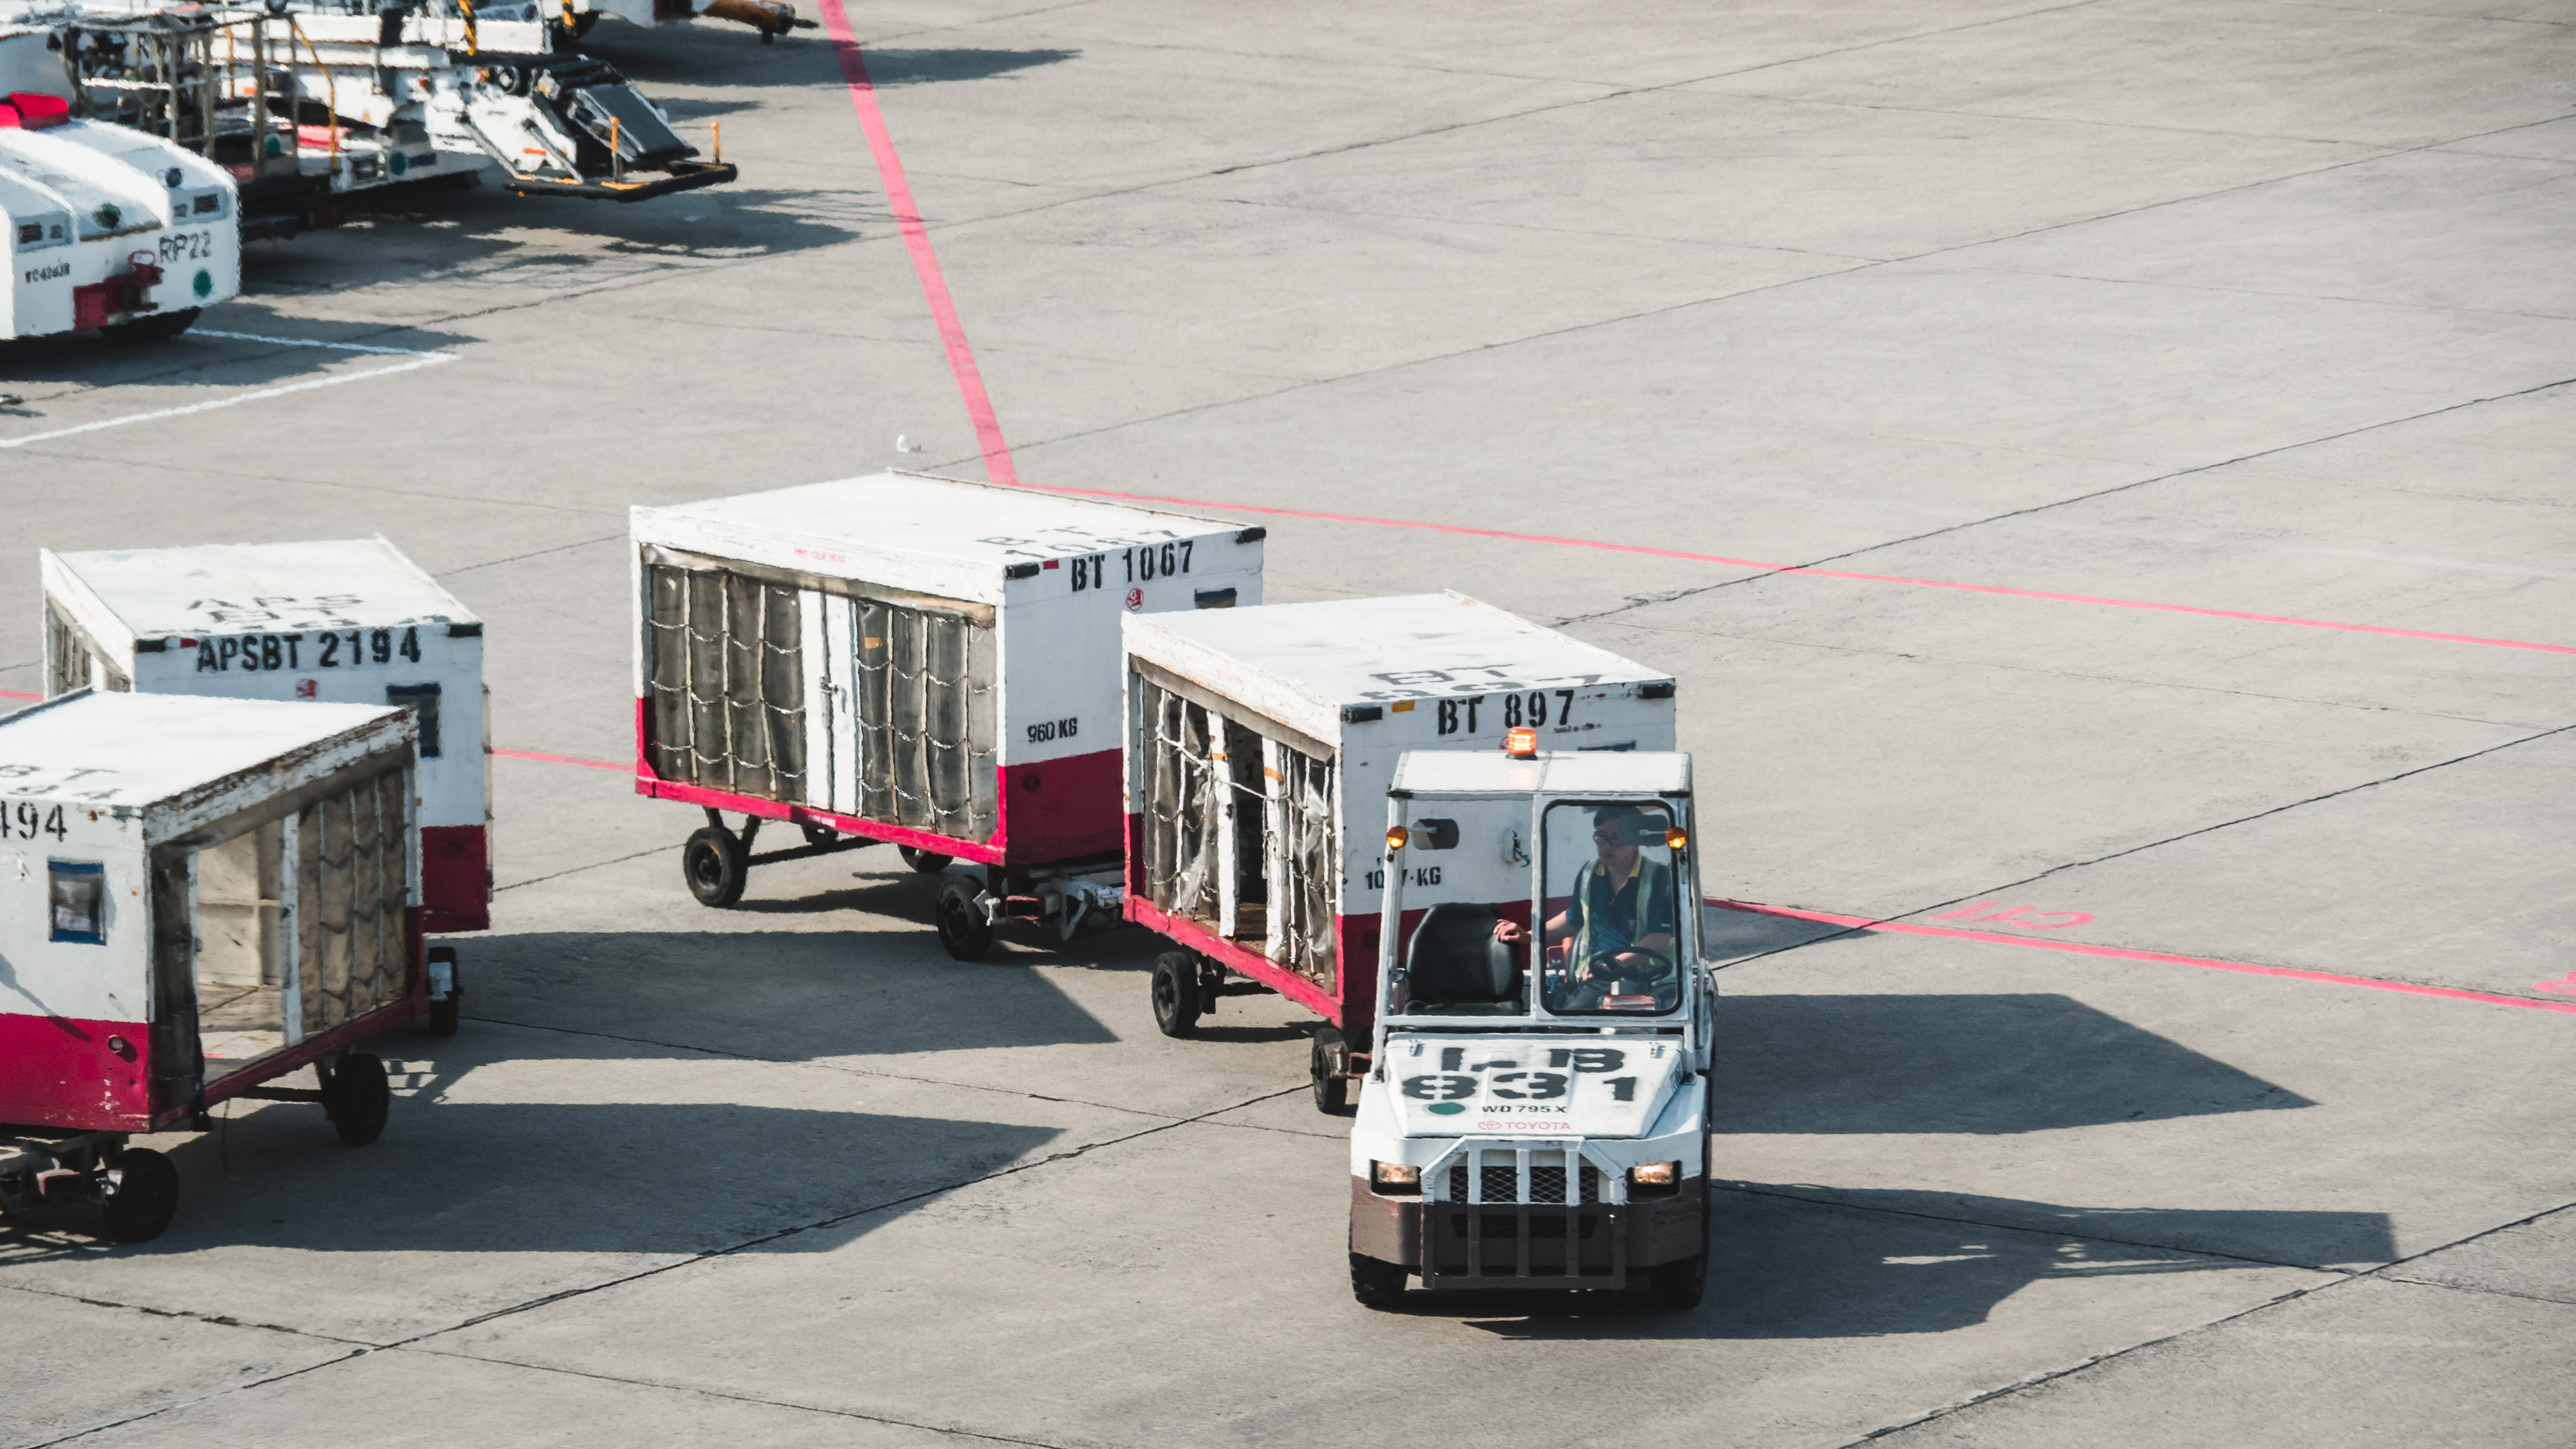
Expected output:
{"points": [[1455, 962]]}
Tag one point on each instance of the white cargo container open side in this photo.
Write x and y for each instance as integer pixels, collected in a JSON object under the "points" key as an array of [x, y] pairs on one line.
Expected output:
{"points": [[1260, 746], [200, 895], [345, 621], [903, 658]]}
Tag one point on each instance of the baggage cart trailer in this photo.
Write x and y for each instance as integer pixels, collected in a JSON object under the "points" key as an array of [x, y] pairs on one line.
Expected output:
{"points": [[347, 621], [1258, 743], [197, 896], [918, 660], [1535, 1114]]}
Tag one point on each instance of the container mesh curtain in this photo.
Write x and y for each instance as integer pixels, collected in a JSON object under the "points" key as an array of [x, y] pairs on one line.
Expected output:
{"points": [[1296, 863], [354, 874], [728, 683]]}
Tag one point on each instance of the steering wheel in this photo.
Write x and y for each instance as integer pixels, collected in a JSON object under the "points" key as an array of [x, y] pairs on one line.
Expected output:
{"points": [[1571, 985]]}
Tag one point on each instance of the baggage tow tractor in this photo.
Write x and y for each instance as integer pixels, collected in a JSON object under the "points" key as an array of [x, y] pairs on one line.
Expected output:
{"points": [[1535, 1114]]}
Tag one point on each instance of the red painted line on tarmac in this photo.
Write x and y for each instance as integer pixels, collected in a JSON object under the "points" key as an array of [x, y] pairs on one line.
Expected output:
{"points": [[545, 759], [925, 261], [13, 694], [2247, 968], [1817, 573]]}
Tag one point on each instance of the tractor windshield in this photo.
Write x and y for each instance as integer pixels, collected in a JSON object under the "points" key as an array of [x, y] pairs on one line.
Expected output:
{"points": [[1612, 891]]}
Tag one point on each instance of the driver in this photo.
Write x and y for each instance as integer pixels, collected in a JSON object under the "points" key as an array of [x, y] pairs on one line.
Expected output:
{"points": [[1620, 915]]}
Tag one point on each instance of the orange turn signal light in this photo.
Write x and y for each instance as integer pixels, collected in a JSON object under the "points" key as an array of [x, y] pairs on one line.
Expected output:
{"points": [[1396, 836], [1676, 838], [1520, 744]]}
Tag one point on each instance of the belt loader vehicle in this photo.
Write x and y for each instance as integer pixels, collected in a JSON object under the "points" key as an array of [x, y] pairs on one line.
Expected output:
{"points": [[108, 227], [307, 107], [344, 622], [916, 660], [1535, 1113], [1258, 743], [197, 897]]}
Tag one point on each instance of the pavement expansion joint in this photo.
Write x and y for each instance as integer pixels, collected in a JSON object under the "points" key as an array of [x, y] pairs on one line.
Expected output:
{"points": [[842, 1068], [1754, 1190], [705, 1392], [1779, 570], [834, 1220], [354, 1353], [218, 1320]]}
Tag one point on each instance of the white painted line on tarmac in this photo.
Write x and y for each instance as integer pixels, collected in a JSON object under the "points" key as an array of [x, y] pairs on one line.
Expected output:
{"points": [[418, 360]]}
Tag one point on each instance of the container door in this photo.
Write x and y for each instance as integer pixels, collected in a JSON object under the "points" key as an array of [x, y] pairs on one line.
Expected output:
{"points": [[353, 874]]}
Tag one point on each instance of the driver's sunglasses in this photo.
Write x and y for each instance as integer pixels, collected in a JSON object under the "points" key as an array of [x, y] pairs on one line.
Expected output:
{"points": [[1605, 837]]}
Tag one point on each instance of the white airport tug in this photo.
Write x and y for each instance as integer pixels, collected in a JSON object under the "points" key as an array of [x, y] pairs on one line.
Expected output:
{"points": [[1535, 1113]]}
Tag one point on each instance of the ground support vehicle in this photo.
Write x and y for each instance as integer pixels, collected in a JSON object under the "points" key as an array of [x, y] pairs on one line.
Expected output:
{"points": [[1257, 744], [197, 896], [916, 660], [309, 108], [349, 621], [1536, 1111], [772, 18], [108, 227]]}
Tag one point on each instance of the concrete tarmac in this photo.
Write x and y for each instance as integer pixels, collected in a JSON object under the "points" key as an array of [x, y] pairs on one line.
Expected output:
{"points": [[2257, 312]]}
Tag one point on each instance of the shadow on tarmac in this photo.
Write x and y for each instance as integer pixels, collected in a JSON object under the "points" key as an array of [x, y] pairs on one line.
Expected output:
{"points": [[537, 1177], [89, 360], [1874, 1264], [2018, 1062]]}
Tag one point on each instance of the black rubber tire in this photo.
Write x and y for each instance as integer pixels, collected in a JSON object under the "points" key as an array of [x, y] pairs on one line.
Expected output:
{"points": [[1376, 1284], [715, 863], [146, 1196], [1328, 1065], [157, 327], [927, 862], [442, 1017], [357, 1098], [1678, 1287], [964, 932], [817, 834], [1176, 993]]}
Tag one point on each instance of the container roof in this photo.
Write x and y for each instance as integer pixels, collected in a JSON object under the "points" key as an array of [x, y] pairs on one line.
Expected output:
{"points": [[137, 749], [839, 529], [1356, 651], [270, 588], [1568, 772]]}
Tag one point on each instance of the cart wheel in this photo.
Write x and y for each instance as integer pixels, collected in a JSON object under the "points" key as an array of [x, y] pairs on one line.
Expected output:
{"points": [[963, 928], [817, 833], [1678, 1286], [1176, 993], [1376, 1284], [356, 1097], [927, 862], [716, 863], [147, 1194], [1329, 1065]]}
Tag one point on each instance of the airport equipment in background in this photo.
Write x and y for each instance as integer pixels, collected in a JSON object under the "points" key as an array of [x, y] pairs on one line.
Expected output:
{"points": [[772, 18], [307, 108], [1535, 1113], [108, 227], [1257, 743], [197, 896], [342, 622], [917, 660]]}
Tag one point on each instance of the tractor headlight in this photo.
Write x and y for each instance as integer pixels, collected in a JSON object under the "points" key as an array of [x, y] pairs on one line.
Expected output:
{"points": [[1396, 1179], [1654, 1179]]}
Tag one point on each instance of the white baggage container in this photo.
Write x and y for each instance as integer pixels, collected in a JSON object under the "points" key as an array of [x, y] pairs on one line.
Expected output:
{"points": [[196, 896], [1299, 712], [911, 659], [344, 621]]}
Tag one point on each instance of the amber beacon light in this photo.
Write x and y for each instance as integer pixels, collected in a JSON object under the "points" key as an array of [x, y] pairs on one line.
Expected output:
{"points": [[1520, 744]]}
